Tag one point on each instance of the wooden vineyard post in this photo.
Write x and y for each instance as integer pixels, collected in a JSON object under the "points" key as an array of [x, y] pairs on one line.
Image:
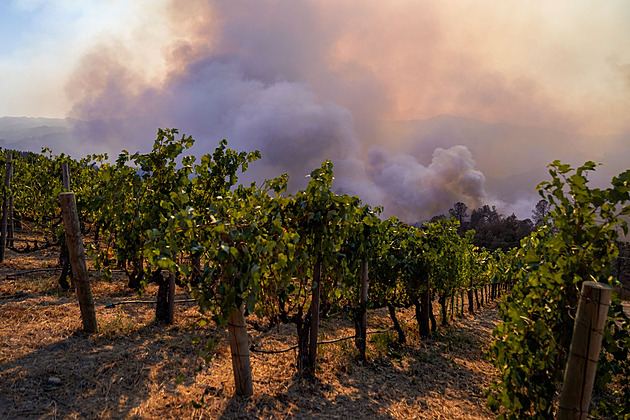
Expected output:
{"points": [[77, 260], [471, 305], [361, 337], [64, 256], [424, 327], [579, 375], [171, 298], [65, 175], [239, 347], [315, 303], [11, 224], [5, 207], [165, 306]]}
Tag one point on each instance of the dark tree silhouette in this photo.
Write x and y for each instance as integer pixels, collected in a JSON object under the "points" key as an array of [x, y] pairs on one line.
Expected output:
{"points": [[483, 216], [492, 229], [540, 212], [459, 211], [437, 217]]}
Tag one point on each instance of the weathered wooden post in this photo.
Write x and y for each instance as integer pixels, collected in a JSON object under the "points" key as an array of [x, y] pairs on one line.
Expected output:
{"points": [[239, 347], [579, 375], [171, 298], [470, 293], [315, 303], [5, 206], [424, 327], [65, 175], [11, 224], [361, 321], [64, 255], [77, 260]]}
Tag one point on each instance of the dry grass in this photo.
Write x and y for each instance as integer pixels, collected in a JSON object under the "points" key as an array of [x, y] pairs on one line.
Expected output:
{"points": [[135, 369]]}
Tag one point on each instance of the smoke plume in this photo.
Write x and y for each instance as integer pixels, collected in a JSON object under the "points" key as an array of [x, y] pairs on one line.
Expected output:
{"points": [[297, 80], [414, 191]]}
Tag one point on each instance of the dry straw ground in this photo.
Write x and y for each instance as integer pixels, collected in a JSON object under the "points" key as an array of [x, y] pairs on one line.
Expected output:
{"points": [[136, 369]]}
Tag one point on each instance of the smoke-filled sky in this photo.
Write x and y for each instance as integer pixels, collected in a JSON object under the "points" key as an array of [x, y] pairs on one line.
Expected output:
{"points": [[305, 80]]}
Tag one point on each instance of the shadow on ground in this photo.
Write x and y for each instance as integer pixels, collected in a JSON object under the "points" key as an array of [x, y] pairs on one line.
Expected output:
{"points": [[82, 377]]}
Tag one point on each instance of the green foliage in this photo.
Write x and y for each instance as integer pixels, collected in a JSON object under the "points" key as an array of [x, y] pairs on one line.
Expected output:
{"points": [[224, 234], [399, 265], [36, 184], [447, 254], [137, 193], [255, 247], [251, 247], [364, 241], [386, 344], [577, 244]]}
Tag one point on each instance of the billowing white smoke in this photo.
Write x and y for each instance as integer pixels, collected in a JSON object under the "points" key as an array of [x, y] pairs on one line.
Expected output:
{"points": [[413, 191]]}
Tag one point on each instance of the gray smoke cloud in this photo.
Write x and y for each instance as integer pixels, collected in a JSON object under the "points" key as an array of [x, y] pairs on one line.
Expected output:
{"points": [[260, 101], [414, 190], [294, 132], [303, 82]]}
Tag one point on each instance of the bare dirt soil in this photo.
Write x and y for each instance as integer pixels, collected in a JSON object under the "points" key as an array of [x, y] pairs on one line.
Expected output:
{"points": [[135, 369]]}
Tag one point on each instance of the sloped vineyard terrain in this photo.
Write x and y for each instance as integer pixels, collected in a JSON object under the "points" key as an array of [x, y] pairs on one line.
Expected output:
{"points": [[134, 368]]}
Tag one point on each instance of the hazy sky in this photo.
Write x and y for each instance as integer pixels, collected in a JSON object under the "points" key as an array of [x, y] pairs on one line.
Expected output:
{"points": [[294, 77], [561, 63], [43, 42]]}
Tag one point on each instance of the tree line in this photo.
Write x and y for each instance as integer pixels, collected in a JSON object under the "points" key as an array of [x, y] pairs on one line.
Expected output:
{"points": [[493, 230]]}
